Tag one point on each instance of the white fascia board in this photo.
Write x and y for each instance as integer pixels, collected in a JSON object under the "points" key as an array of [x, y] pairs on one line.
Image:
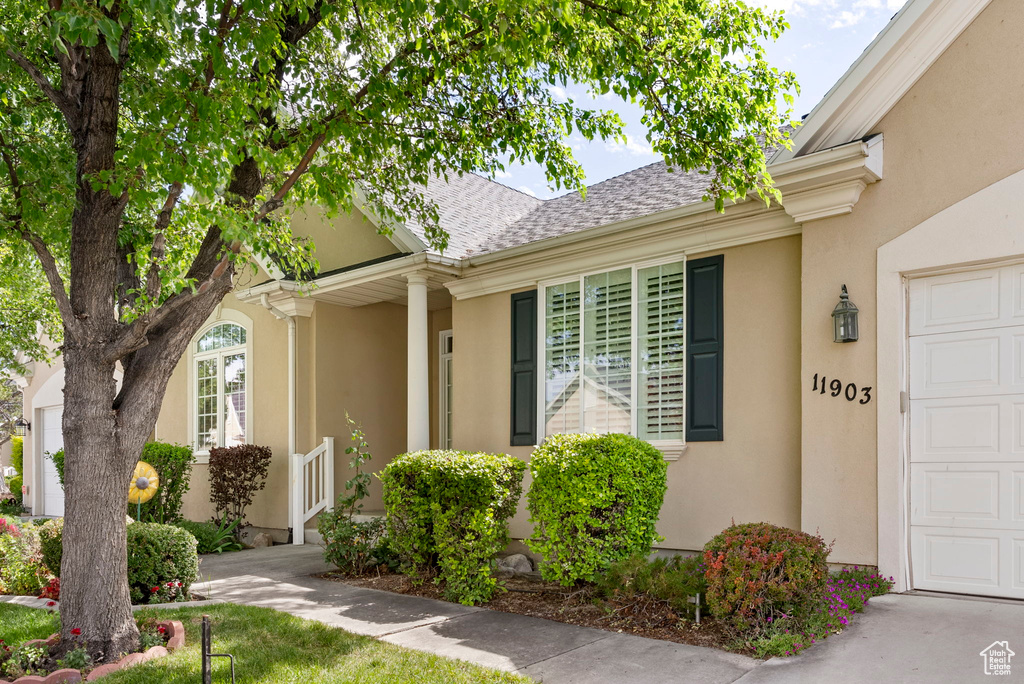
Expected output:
{"points": [[828, 183], [903, 51], [399, 234]]}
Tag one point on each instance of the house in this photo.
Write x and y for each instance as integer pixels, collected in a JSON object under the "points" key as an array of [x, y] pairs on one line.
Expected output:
{"points": [[708, 334]]}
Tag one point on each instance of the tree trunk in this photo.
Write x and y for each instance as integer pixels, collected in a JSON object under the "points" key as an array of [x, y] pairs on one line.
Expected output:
{"points": [[94, 568]]}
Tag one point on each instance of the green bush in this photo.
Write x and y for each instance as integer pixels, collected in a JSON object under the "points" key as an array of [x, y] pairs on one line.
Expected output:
{"points": [[211, 537], [161, 558], [594, 500], [51, 535], [449, 511], [21, 559], [173, 463], [18, 455], [14, 484], [758, 573], [673, 580]]}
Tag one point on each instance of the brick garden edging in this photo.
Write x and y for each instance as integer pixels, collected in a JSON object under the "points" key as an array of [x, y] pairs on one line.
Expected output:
{"points": [[175, 640]]}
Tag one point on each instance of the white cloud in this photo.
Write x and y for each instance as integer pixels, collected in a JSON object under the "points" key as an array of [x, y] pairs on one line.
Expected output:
{"points": [[502, 174], [847, 18], [558, 92], [527, 190], [633, 146], [889, 5]]}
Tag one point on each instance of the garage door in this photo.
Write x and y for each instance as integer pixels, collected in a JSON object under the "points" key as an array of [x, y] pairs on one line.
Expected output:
{"points": [[967, 432], [53, 440]]}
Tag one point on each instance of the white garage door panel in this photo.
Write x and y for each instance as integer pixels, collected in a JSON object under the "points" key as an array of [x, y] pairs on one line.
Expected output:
{"points": [[966, 495], [967, 432], [986, 562], [53, 441], [975, 300]]}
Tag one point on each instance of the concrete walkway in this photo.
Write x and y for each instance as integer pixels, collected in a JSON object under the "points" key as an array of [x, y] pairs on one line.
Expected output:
{"points": [[899, 638]]}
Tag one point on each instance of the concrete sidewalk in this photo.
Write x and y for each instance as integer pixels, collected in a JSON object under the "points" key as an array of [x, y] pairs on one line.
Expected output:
{"points": [[898, 638], [551, 652]]}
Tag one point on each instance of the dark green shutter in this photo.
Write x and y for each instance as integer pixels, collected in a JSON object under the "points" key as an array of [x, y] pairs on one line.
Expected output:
{"points": [[524, 368], [704, 349]]}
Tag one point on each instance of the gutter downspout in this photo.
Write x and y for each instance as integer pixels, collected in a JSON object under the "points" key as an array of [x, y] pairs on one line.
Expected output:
{"points": [[265, 301]]}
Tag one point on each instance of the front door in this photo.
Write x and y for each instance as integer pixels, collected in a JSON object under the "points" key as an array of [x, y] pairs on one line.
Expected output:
{"points": [[53, 441], [967, 432]]}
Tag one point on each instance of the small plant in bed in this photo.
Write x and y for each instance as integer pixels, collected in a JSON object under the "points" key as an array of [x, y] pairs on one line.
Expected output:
{"points": [[214, 536]]}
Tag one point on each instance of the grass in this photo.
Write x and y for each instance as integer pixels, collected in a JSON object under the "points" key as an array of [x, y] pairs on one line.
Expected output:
{"points": [[271, 647], [18, 623]]}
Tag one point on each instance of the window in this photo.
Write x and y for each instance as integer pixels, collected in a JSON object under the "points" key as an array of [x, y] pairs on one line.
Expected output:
{"points": [[614, 353], [445, 390], [220, 381]]}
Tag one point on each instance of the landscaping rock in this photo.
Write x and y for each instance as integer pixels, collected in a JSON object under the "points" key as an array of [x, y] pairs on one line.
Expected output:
{"points": [[261, 540], [516, 564]]}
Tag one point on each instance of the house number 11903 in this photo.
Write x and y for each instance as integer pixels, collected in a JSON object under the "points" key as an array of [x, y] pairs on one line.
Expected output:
{"points": [[836, 388]]}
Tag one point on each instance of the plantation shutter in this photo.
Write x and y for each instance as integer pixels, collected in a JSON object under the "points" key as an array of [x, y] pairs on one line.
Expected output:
{"points": [[563, 400], [524, 369], [704, 349], [661, 364], [608, 351]]}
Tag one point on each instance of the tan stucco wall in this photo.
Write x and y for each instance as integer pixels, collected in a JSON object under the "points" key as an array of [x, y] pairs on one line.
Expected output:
{"points": [[360, 367], [754, 474], [955, 132], [341, 240]]}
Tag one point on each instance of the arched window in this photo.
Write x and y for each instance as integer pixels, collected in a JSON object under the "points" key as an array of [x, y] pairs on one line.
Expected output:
{"points": [[220, 370]]}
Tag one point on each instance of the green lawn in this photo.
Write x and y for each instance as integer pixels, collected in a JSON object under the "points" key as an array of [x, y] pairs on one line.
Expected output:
{"points": [[271, 648], [18, 623]]}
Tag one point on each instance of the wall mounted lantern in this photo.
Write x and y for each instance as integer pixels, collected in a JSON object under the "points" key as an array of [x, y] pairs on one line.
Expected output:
{"points": [[844, 319], [21, 426]]}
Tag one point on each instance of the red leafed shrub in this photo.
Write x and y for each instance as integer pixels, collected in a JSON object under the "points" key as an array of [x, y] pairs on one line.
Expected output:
{"points": [[51, 590], [758, 573], [236, 474]]}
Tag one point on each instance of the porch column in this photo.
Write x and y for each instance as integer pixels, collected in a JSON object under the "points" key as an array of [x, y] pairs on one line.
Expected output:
{"points": [[418, 394]]}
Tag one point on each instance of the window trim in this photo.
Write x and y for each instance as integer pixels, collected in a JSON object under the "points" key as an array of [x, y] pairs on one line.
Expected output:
{"points": [[443, 379], [202, 456], [672, 449]]}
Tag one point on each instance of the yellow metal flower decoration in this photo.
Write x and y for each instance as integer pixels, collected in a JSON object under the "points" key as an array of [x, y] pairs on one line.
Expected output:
{"points": [[144, 483]]}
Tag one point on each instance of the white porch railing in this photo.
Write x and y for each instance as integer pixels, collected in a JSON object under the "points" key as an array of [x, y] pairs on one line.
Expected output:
{"points": [[312, 486]]}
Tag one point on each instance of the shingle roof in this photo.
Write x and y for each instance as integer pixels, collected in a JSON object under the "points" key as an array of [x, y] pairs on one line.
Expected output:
{"points": [[474, 210], [482, 216]]}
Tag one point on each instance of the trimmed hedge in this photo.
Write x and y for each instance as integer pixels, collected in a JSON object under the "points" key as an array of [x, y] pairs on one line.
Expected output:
{"points": [[448, 511], [51, 537], [759, 572], [14, 484], [18, 455], [594, 500], [160, 557]]}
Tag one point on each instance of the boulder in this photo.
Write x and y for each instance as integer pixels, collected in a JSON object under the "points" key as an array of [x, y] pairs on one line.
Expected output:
{"points": [[261, 540], [516, 564]]}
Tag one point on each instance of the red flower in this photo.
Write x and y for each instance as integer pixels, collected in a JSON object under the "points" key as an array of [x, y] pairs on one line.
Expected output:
{"points": [[161, 629], [155, 589], [50, 604], [76, 631]]}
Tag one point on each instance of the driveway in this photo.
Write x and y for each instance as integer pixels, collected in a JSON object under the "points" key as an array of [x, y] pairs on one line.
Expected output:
{"points": [[898, 638]]}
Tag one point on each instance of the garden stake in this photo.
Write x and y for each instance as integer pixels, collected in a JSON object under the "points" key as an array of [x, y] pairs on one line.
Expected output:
{"points": [[695, 599], [208, 657]]}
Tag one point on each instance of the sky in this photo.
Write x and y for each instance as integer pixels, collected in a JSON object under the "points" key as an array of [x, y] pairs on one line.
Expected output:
{"points": [[825, 37]]}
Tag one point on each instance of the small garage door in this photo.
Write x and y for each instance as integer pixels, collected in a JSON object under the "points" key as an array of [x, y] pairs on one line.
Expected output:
{"points": [[53, 441], [967, 432]]}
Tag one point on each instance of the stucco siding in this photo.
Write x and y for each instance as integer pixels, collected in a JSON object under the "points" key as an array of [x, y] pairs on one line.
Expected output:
{"points": [[754, 474], [954, 133]]}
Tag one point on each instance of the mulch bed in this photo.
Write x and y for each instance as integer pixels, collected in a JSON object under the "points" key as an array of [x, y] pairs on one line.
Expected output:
{"points": [[576, 606]]}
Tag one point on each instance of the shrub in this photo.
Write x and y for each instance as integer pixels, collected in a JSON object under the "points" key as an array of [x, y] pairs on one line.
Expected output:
{"points": [[51, 535], [594, 500], [449, 510], [21, 559], [212, 537], [18, 455], [350, 545], [162, 562], [173, 463], [58, 463], [236, 474], [14, 484], [758, 573], [672, 580]]}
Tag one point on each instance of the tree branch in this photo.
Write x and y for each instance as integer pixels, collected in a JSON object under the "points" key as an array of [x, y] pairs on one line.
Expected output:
{"points": [[62, 102], [53, 277]]}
